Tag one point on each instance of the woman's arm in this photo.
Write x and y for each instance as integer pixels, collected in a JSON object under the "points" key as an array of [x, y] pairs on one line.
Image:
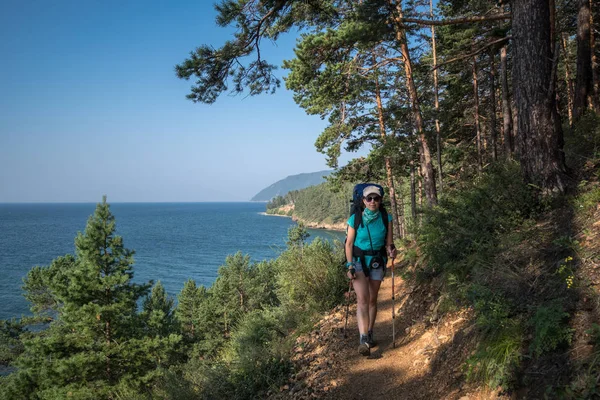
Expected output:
{"points": [[350, 236]]}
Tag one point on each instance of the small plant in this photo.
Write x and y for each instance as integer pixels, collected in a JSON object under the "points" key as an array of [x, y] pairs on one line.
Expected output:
{"points": [[566, 273], [498, 356], [588, 201], [594, 332], [585, 384], [550, 328], [566, 243]]}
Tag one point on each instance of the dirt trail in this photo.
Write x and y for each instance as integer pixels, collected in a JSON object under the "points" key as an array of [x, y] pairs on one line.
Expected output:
{"points": [[426, 362]]}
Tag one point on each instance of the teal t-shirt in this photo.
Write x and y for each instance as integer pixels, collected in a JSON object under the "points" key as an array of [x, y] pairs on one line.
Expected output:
{"points": [[377, 231]]}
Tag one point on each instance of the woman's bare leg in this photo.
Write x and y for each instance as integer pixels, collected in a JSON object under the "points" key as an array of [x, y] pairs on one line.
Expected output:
{"points": [[373, 293], [361, 287]]}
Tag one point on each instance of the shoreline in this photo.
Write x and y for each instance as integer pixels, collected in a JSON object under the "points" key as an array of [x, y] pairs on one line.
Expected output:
{"points": [[311, 225], [274, 215]]}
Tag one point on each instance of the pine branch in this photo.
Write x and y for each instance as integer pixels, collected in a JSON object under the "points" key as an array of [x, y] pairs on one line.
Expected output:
{"points": [[429, 22], [490, 44]]}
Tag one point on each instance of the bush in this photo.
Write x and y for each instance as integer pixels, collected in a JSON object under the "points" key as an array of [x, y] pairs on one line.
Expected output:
{"points": [[498, 356], [258, 355], [311, 277], [582, 142], [463, 231], [550, 328]]}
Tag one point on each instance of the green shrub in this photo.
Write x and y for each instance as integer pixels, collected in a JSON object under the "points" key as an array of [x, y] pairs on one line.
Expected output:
{"points": [[585, 384], [464, 230], [498, 356], [550, 328], [311, 277], [258, 354], [582, 142], [201, 379], [492, 309]]}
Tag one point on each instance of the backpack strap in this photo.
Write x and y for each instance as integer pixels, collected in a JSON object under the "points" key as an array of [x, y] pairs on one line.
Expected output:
{"points": [[357, 219], [357, 251]]}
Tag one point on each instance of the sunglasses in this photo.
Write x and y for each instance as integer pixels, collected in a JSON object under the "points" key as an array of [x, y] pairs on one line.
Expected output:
{"points": [[373, 198]]}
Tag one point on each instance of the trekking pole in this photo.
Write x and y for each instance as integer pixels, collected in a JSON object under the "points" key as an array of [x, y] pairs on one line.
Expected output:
{"points": [[347, 306], [393, 309]]}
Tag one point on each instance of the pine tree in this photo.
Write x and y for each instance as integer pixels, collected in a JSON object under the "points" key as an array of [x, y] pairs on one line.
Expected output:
{"points": [[158, 312], [97, 341], [188, 309]]}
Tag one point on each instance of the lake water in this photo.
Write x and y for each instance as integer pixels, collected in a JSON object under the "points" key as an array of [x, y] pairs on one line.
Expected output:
{"points": [[172, 241]]}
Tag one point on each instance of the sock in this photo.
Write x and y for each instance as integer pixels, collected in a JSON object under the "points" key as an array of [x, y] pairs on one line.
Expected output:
{"points": [[363, 339]]}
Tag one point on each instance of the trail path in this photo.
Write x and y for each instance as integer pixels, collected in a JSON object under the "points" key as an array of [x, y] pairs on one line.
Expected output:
{"points": [[426, 362]]}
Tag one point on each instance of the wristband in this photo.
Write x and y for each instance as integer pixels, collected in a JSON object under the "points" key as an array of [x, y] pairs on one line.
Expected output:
{"points": [[350, 264]]}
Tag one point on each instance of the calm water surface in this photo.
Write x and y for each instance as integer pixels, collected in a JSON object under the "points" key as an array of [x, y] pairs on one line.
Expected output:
{"points": [[172, 241]]}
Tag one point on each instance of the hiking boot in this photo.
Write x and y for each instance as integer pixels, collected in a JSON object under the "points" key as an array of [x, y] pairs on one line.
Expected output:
{"points": [[370, 340], [363, 347]]}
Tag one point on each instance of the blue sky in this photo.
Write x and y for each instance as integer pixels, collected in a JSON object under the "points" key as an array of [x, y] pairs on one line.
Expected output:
{"points": [[90, 105]]}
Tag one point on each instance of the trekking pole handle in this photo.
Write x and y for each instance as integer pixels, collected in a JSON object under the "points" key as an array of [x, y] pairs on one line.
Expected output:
{"points": [[352, 272], [391, 250]]}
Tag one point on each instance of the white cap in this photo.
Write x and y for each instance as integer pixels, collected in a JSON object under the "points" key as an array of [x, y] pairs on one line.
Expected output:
{"points": [[371, 190]]}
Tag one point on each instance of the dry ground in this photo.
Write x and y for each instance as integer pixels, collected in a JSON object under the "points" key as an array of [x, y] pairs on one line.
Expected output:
{"points": [[426, 361]]}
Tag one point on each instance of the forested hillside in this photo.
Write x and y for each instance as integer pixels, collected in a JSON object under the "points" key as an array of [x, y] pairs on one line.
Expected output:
{"points": [[315, 207], [484, 122], [292, 182]]}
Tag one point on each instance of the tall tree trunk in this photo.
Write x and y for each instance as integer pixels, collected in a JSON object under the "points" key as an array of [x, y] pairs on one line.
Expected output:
{"points": [[552, 5], [506, 108], [476, 116], [583, 79], [402, 220], [595, 78], [438, 139], [424, 153], [413, 194], [392, 191], [539, 135], [568, 82], [493, 133], [515, 122], [420, 184], [388, 164]]}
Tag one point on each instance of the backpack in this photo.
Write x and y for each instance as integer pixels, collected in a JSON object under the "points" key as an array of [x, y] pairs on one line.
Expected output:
{"points": [[357, 210]]}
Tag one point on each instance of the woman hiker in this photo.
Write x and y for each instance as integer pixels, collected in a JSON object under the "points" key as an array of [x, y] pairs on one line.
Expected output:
{"points": [[366, 247]]}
